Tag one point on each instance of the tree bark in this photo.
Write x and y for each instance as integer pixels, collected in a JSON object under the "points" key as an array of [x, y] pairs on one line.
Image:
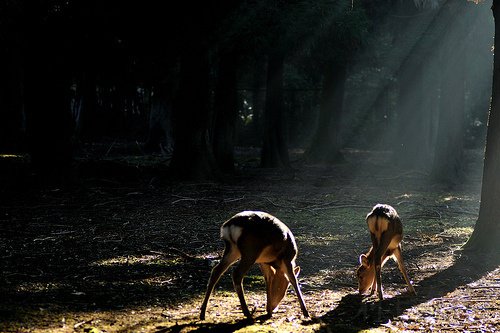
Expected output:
{"points": [[413, 146], [11, 106], [326, 144], [88, 123], [448, 158], [49, 125], [258, 98], [193, 156], [486, 233], [159, 137], [226, 112], [448, 165], [274, 148]]}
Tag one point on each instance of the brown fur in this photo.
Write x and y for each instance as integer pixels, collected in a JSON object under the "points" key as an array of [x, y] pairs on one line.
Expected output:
{"points": [[258, 237], [386, 231]]}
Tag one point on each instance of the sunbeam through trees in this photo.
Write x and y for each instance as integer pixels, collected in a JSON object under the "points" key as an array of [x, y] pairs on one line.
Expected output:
{"points": [[131, 130]]}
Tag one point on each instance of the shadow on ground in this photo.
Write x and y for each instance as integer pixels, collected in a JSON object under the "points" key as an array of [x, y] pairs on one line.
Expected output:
{"points": [[353, 314]]}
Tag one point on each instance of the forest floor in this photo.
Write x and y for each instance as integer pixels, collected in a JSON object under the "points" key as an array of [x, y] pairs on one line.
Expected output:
{"points": [[129, 251]]}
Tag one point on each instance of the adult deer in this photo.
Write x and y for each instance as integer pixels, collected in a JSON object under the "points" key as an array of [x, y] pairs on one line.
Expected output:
{"points": [[386, 232], [258, 237]]}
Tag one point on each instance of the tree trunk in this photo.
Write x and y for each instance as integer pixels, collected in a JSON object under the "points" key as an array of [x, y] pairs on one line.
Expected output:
{"points": [[274, 149], [413, 146], [258, 99], [448, 158], [11, 107], [88, 125], [486, 233], [326, 144], [49, 125], [226, 112], [448, 161], [192, 156], [159, 137]]}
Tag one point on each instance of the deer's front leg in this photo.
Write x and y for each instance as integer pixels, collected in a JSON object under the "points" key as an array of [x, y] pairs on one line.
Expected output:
{"points": [[238, 274], [292, 272], [268, 273]]}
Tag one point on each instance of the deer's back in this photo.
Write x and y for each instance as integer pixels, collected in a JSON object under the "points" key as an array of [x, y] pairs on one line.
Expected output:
{"points": [[384, 219], [260, 230]]}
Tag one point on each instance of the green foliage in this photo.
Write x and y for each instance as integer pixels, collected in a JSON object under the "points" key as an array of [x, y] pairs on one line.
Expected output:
{"points": [[323, 30], [339, 34]]}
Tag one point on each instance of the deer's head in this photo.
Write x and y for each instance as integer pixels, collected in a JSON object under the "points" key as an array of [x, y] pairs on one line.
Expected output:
{"points": [[276, 286], [365, 274]]}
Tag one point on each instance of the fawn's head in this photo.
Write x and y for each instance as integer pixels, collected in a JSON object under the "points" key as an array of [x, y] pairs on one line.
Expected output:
{"points": [[365, 274]]}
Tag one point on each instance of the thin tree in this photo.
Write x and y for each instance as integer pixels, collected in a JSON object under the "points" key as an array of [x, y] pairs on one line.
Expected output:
{"points": [[46, 103], [274, 148], [448, 160], [193, 157], [484, 238], [226, 111], [345, 28], [326, 144]]}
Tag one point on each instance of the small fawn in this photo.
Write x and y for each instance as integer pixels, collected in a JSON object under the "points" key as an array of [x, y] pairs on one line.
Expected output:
{"points": [[258, 237], [386, 232]]}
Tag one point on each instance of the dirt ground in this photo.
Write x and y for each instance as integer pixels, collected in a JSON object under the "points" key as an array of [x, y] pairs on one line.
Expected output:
{"points": [[127, 250]]}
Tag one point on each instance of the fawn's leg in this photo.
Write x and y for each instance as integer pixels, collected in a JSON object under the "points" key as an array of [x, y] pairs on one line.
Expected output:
{"points": [[399, 259]]}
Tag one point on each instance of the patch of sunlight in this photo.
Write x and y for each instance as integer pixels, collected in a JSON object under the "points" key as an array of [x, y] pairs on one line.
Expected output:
{"points": [[39, 287], [450, 198], [148, 259], [456, 198], [405, 196], [254, 280], [14, 157], [277, 327], [459, 231], [323, 239]]}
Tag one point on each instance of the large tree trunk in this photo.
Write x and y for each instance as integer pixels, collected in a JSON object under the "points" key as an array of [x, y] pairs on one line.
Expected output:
{"points": [[413, 140], [193, 157], [326, 144], [226, 111], [486, 233], [274, 148], [49, 124], [88, 125], [258, 98], [11, 110], [448, 161], [159, 137], [448, 158]]}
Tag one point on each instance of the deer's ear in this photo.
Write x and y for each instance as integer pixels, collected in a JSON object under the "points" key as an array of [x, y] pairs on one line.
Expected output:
{"points": [[363, 260], [296, 270]]}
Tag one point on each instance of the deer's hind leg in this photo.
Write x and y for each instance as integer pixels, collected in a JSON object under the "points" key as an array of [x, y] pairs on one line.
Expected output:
{"points": [[231, 254], [399, 258]]}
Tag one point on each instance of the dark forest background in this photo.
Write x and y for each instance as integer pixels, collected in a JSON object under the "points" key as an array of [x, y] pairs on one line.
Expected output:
{"points": [[129, 130], [195, 83]]}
